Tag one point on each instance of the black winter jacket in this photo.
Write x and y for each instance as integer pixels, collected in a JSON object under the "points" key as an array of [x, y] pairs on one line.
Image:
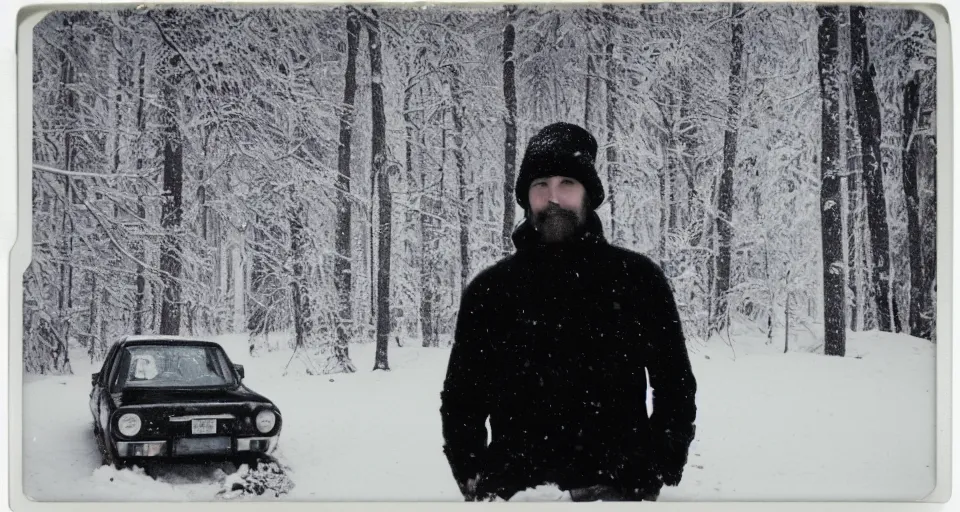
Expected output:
{"points": [[551, 345]]}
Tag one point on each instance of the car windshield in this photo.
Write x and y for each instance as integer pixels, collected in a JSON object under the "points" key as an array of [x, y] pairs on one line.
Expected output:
{"points": [[169, 366]]}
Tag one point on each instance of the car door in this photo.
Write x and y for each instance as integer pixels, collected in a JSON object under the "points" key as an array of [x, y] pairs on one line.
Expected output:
{"points": [[98, 392]]}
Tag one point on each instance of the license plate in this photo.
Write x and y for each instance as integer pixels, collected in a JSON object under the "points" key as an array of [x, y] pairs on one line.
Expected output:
{"points": [[201, 445], [204, 426]]}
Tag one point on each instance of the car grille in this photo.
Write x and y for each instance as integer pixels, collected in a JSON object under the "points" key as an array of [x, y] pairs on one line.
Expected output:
{"points": [[201, 445]]}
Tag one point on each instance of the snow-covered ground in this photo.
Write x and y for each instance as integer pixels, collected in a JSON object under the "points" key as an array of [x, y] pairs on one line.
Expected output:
{"points": [[796, 426]]}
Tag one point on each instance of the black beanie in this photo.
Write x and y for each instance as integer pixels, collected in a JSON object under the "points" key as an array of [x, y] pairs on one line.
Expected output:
{"points": [[560, 149]]}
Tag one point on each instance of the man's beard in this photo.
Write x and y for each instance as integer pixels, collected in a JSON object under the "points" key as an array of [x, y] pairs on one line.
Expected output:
{"points": [[556, 224]]}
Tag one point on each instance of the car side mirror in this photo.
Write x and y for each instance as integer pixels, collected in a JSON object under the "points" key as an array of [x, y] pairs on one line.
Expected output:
{"points": [[239, 368], [94, 378]]}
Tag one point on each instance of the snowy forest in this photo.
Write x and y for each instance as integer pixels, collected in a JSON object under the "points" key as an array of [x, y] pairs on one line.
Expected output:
{"points": [[317, 177]]}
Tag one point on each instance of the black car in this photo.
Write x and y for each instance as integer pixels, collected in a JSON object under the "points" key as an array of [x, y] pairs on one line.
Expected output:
{"points": [[174, 398]]}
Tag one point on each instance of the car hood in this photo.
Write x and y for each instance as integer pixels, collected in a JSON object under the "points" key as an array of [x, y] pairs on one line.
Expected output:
{"points": [[160, 396]]}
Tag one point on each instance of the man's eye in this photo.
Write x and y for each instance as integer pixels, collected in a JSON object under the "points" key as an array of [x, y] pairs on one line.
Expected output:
{"points": [[540, 184], [567, 182]]}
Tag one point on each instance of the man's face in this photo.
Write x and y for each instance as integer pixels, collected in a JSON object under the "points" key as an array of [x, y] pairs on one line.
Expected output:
{"points": [[557, 207]]}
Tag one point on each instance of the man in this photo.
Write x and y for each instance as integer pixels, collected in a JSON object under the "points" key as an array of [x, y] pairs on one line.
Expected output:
{"points": [[551, 344]]}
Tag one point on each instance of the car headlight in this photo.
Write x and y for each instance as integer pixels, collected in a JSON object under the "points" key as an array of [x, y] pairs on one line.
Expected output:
{"points": [[129, 424], [266, 421]]}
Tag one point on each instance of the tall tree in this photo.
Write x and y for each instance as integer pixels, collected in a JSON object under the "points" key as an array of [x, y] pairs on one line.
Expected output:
{"points": [[909, 161], [725, 192], [510, 128], [70, 100], [456, 111], [299, 288], [94, 319], [344, 241], [428, 240], [911, 49], [928, 155], [926, 133], [859, 287], [611, 153], [868, 120], [427, 274], [830, 170], [172, 210], [140, 281], [590, 43], [378, 154]]}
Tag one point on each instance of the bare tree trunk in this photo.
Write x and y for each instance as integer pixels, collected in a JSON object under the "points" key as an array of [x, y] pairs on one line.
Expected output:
{"points": [[104, 297], [379, 157], [862, 301], [854, 244], [427, 332], [868, 292], [593, 47], [202, 189], [412, 219], [664, 189], [458, 154], [710, 243], [372, 249], [688, 134], [124, 81], [238, 274], [372, 238], [910, 153], [588, 90], [441, 212], [927, 159], [845, 228], [258, 319], [680, 148], [210, 274], [140, 282], [172, 210], [65, 292], [510, 127], [830, 168], [613, 174], [786, 321], [895, 305], [94, 319], [302, 314], [612, 171], [343, 262], [427, 272], [868, 117], [426, 282], [725, 192]]}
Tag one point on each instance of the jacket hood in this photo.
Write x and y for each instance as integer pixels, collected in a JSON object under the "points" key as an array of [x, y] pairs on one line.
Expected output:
{"points": [[526, 237]]}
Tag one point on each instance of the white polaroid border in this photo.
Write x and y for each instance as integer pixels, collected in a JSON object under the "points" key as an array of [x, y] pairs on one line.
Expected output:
{"points": [[26, 17]]}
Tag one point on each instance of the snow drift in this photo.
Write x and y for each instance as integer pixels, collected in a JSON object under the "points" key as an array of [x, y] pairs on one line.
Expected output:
{"points": [[770, 426]]}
